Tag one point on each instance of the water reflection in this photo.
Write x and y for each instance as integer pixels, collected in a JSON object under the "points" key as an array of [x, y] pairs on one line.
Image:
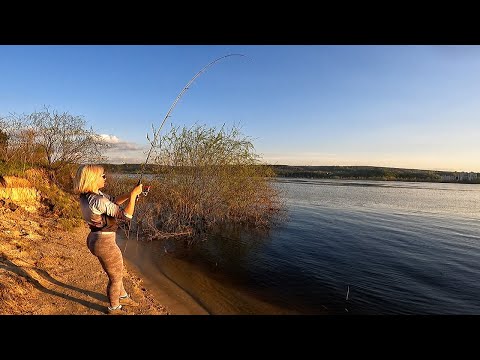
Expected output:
{"points": [[227, 248]]}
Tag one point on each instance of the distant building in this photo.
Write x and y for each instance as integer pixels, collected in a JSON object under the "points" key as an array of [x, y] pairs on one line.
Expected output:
{"points": [[472, 176], [460, 176]]}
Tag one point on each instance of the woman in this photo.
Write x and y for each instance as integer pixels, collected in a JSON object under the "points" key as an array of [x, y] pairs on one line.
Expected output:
{"points": [[101, 212]]}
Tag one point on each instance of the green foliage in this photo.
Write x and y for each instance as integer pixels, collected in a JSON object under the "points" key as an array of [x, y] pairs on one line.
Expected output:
{"points": [[13, 168], [3, 141], [358, 173], [206, 176], [49, 139], [60, 203], [200, 146], [56, 201]]}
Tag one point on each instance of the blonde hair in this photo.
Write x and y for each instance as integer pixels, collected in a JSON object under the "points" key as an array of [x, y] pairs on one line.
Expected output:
{"points": [[86, 178]]}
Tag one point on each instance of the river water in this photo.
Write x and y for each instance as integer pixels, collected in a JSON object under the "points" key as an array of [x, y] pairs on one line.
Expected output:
{"points": [[346, 247]]}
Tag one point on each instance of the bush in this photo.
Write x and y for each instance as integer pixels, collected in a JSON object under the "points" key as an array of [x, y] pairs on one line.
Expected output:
{"points": [[205, 177]]}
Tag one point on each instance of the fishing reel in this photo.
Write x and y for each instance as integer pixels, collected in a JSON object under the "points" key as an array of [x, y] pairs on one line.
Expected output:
{"points": [[145, 191]]}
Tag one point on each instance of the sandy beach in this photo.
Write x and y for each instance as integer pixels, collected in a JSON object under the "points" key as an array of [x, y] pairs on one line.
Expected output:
{"points": [[45, 270]]}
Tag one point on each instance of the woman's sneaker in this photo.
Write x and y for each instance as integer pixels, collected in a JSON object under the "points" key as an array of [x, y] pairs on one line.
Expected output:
{"points": [[126, 300], [115, 311]]}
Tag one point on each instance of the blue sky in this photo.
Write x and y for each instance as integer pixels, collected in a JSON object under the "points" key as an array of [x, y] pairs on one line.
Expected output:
{"points": [[396, 106]]}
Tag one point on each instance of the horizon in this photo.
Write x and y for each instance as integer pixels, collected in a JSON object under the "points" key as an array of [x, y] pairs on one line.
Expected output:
{"points": [[360, 166], [396, 106]]}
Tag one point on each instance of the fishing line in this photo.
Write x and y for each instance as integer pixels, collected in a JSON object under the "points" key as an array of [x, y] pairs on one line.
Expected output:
{"points": [[156, 133], [184, 90]]}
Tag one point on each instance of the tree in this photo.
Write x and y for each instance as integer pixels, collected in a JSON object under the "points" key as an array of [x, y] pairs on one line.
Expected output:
{"points": [[3, 144], [12, 147], [64, 139]]}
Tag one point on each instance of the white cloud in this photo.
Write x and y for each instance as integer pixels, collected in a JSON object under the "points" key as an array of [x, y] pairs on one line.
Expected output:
{"points": [[121, 151], [111, 139], [117, 144]]}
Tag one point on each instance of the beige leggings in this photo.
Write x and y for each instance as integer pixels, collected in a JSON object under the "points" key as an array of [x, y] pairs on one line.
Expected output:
{"points": [[105, 248]]}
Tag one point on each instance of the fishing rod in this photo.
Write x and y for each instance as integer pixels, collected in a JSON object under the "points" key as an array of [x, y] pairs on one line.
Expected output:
{"points": [[156, 132]]}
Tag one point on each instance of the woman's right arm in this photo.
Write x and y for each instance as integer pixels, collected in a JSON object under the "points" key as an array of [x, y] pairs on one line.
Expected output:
{"points": [[130, 208]]}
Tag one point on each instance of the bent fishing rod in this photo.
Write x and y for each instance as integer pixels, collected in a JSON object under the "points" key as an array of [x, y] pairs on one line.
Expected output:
{"points": [[156, 133]]}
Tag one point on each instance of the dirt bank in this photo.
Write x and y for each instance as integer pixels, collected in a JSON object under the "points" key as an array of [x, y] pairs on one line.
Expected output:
{"points": [[45, 270]]}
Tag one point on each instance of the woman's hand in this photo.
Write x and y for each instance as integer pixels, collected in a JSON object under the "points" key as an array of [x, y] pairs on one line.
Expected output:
{"points": [[137, 190]]}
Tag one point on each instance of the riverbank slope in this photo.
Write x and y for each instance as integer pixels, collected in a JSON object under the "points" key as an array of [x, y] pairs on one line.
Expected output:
{"points": [[46, 269]]}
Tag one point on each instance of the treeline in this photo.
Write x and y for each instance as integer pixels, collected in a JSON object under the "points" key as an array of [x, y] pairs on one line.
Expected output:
{"points": [[324, 172], [130, 168], [364, 173], [179, 169]]}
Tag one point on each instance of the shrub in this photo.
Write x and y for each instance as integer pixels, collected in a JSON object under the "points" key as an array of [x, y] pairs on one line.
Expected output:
{"points": [[205, 177]]}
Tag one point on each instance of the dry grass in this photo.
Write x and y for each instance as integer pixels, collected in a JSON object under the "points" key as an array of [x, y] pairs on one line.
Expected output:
{"points": [[15, 182]]}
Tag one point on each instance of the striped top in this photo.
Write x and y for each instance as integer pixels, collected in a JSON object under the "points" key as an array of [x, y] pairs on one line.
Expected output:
{"points": [[100, 211]]}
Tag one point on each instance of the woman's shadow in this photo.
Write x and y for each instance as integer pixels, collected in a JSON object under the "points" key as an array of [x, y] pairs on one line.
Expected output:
{"points": [[9, 266]]}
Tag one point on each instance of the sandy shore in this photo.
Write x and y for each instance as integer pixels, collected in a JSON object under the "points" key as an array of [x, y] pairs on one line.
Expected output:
{"points": [[45, 270]]}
